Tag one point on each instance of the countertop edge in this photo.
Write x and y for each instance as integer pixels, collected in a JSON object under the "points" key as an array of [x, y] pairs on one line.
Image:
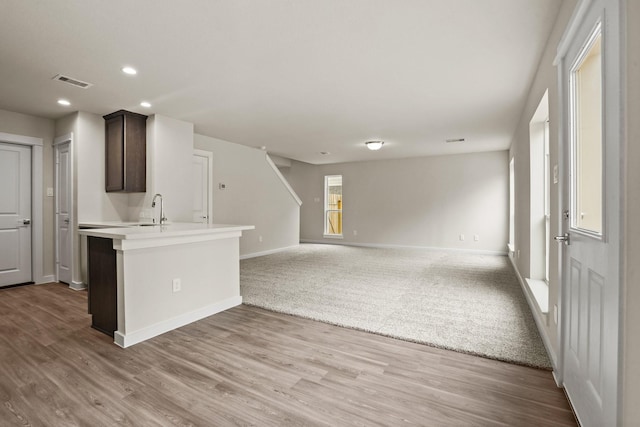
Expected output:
{"points": [[135, 232]]}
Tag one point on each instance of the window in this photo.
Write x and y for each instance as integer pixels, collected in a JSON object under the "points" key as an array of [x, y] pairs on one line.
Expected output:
{"points": [[512, 206], [586, 140], [540, 206], [547, 201], [333, 206]]}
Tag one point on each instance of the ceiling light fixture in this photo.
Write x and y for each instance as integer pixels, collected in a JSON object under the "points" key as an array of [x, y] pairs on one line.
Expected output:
{"points": [[129, 70], [374, 145], [145, 104], [64, 102]]}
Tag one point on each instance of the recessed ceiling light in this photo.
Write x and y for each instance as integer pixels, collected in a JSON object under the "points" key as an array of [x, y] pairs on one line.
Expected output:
{"points": [[145, 104], [129, 70], [454, 140], [374, 145], [64, 102]]}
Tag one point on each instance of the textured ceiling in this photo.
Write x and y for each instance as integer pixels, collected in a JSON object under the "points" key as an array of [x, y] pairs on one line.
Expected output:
{"points": [[299, 77]]}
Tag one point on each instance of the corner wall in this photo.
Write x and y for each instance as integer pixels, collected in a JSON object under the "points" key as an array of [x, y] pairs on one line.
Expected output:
{"points": [[420, 202], [545, 78], [253, 195]]}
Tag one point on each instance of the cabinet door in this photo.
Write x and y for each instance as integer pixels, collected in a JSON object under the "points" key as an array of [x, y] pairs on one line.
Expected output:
{"points": [[135, 146], [103, 284], [114, 142]]}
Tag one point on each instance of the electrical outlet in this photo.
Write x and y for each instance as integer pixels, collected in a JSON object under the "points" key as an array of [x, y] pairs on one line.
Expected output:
{"points": [[355, 232], [555, 314], [476, 238], [49, 192], [316, 199], [260, 239], [177, 285], [462, 237], [518, 253]]}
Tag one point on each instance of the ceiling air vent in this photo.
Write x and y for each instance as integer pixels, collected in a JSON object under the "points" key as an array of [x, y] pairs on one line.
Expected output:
{"points": [[455, 140], [72, 81]]}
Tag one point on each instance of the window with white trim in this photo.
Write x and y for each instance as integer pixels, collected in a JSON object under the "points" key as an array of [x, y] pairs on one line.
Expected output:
{"points": [[333, 206]]}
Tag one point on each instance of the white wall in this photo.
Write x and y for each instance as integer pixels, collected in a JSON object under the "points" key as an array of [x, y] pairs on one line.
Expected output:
{"points": [[254, 195], [425, 202], [631, 254], [26, 125], [169, 170], [545, 78], [93, 201]]}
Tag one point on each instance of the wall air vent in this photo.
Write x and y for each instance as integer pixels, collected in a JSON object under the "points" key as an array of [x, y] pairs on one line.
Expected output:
{"points": [[455, 140], [72, 81]]}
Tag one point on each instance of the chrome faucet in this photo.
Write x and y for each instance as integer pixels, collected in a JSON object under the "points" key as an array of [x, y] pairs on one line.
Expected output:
{"points": [[153, 205]]}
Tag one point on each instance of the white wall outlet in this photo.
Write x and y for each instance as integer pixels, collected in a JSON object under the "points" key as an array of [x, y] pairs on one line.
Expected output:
{"points": [[177, 285], [555, 314], [355, 232], [518, 253], [462, 237], [49, 191], [260, 239], [476, 238], [316, 199]]}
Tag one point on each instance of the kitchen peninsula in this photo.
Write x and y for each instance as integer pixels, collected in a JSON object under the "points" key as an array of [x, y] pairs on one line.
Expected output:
{"points": [[145, 280]]}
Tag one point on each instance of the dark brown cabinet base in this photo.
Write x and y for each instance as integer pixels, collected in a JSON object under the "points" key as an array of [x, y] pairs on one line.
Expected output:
{"points": [[103, 284]]}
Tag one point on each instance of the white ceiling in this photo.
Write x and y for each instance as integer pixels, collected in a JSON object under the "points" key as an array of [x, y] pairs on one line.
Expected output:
{"points": [[296, 76]]}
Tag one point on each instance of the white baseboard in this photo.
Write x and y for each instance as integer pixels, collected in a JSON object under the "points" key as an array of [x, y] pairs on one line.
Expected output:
{"points": [[269, 252], [537, 316], [385, 246], [46, 279], [127, 340], [77, 286]]}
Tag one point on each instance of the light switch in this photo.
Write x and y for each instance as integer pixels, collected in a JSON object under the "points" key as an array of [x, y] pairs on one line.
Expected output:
{"points": [[49, 192], [555, 174]]}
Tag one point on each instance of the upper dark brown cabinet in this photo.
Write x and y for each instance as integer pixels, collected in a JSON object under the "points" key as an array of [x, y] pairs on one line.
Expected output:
{"points": [[126, 152]]}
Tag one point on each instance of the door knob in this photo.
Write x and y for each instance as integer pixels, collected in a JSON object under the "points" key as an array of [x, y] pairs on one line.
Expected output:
{"points": [[66, 220], [564, 238], [26, 221]]}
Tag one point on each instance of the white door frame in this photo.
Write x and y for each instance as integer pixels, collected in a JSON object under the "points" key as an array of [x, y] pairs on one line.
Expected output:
{"points": [[609, 12], [209, 156], [68, 138], [37, 216]]}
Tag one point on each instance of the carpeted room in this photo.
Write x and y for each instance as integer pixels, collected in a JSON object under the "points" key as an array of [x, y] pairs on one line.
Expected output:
{"points": [[470, 303]]}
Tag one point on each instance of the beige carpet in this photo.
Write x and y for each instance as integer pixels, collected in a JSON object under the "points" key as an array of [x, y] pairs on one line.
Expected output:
{"points": [[467, 303]]}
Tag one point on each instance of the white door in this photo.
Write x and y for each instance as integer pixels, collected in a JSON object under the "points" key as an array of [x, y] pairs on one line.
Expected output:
{"points": [[591, 179], [64, 228], [202, 180], [15, 214]]}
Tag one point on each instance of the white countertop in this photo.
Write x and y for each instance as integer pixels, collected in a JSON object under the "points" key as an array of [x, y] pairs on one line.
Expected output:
{"points": [[133, 230]]}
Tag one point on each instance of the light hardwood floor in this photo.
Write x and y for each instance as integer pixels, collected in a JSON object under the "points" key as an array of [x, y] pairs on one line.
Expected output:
{"points": [[248, 366]]}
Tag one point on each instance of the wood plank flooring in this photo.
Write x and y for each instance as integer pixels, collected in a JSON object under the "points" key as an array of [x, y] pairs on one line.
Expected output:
{"points": [[248, 366]]}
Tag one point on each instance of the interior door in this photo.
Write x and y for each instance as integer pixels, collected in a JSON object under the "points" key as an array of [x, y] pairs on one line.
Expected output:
{"points": [[64, 226], [201, 187], [15, 214], [591, 140]]}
